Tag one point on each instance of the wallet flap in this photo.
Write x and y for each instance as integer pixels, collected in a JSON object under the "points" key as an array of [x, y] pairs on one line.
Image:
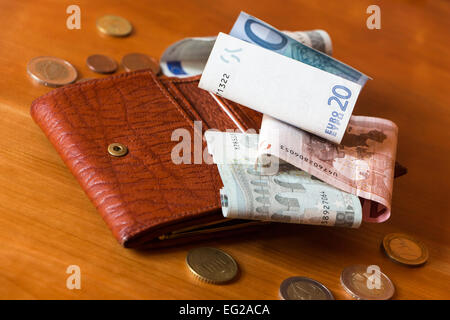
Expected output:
{"points": [[144, 192], [222, 116]]}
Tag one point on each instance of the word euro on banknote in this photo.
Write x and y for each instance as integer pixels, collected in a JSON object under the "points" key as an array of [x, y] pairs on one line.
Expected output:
{"points": [[188, 57], [291, 195], [363, 164], [297, 93]]}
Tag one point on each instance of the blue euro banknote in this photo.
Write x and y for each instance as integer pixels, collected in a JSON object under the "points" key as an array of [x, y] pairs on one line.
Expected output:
{"points": [[258, 32]]}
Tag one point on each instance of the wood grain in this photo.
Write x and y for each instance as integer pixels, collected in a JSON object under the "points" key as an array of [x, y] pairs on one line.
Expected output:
{"points": [[47, 223]]}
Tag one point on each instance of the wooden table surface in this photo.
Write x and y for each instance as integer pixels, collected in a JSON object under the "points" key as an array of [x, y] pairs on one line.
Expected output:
{"points": [[47, 222]]}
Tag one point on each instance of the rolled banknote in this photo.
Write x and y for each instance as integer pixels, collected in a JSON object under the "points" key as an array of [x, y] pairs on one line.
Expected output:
{"points": [[188, 57], [305, 96], [291, 195], [363, 164], [258, 32]]}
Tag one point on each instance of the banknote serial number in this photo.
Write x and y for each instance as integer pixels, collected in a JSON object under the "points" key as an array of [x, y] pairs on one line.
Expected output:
{"points": [[325, 208], [222, 83], [339, 100], [309, 161], [235, 142]]}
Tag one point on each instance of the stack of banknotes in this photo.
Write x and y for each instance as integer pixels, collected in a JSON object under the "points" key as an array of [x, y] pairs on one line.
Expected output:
{"points": [[312, 162]]}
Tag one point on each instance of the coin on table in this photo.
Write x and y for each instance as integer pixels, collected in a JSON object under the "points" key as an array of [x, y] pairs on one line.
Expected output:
{"points": [[363, 283], [114, 26], [211, 265], [85, 80], [101, 63], [302, 288], [139, 61], [51, 71], [405, 249]]}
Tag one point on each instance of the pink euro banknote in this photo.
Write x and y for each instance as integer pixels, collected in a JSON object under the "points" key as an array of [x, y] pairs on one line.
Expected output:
{"points": [[363, 164]]}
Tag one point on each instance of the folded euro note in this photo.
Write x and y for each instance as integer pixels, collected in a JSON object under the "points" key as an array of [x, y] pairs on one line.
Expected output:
{"points": [[264, 69], [283, 88], [290, 195], [363, 164], [256, 31], [187, 57]]}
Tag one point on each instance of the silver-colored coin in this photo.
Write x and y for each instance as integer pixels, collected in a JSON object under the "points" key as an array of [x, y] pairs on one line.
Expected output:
{"points": [[362, 285], [302, 288]]}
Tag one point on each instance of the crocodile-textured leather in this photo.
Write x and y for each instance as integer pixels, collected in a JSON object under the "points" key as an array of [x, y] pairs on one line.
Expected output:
{"points": [[143, 194]]}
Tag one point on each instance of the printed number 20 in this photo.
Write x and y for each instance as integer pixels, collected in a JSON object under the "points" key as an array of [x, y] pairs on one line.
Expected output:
{"points": [[338, 95]]}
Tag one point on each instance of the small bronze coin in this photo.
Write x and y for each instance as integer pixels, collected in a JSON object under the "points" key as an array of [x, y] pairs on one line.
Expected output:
{"points": [[139, 61], [101, 64], [405, 249], [114, 26], [302, 288], [355, 280], [211, 265], [51, 71]]}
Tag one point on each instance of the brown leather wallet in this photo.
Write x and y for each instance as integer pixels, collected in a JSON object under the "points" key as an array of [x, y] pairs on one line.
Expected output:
{"points": [[144, 197]]}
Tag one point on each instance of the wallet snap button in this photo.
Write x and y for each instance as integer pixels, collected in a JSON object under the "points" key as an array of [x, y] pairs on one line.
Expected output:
{"points": [[117, 149]]}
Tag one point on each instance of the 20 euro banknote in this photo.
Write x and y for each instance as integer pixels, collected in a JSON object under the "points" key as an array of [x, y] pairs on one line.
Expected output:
{"points": [[297, 93]]}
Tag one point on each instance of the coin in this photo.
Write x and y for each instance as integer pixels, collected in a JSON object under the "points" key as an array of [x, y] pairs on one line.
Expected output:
{"points": [[302, 288], [138, 61], [405, 249], [356, 279], [51, 71], [101, 63], [114, 26], [84, 80], [211, 265]]}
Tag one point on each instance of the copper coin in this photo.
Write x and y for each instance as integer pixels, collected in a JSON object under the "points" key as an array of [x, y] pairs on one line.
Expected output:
{"points": [[364, 284], [139, 61], [101, 63], [51, 71], [302, 288], [405, 249], [114, 26]]}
